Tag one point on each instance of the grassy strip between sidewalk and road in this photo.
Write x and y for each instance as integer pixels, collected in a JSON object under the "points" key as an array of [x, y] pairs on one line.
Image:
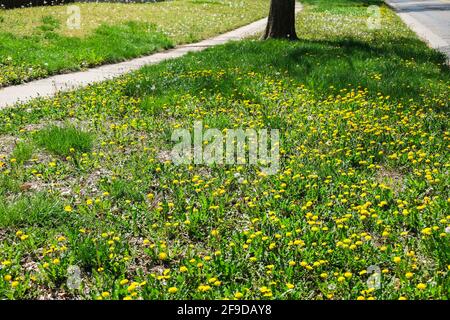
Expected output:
{"points": [[358, 210], [38, 42]]}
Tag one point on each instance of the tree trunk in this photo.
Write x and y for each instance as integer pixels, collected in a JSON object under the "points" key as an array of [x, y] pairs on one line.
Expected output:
{"points": [[281, 23]]}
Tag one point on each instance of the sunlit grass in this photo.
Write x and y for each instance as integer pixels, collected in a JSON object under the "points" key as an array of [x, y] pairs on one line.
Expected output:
{"points": [[38, 42], [181, 20]]}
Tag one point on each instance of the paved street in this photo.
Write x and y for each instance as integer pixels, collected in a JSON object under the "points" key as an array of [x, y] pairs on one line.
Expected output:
{"points": [[429, 18]]}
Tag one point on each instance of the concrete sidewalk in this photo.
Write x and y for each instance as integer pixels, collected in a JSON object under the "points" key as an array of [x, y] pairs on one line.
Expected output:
{"points": [[429, 19], [65, 82]]}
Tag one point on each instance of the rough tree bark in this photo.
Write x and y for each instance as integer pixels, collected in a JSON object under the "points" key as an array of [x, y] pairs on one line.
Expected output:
{"points": [[281, 23]]}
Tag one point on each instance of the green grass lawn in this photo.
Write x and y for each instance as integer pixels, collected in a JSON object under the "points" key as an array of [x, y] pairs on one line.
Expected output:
{"points": [[363, 186], [38, 42]]}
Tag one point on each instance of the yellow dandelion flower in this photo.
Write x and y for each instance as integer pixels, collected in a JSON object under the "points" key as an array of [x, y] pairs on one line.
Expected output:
{"points": [[162, 256], [173, 290], [421, 286], [183, 269]]}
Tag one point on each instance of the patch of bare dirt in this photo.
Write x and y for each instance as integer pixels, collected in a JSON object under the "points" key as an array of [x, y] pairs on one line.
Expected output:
{"points": [[73, 121], [7, 144], [87, 184], [391, 178], [164, 156]]}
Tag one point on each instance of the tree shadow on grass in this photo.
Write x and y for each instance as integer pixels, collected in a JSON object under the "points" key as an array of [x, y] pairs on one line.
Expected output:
{"points": [[403, 69], [398, 71], [342, 3]]}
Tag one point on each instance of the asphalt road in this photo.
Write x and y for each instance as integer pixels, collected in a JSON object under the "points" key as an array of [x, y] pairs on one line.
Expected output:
{"points": [[432, 14]]}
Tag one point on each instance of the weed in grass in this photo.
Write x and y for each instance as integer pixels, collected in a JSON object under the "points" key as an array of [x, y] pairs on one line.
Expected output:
{"points": [[23, 151], [38, 210], [125, 190], [154, 106], [104, 252], [64, 141], [49, 24], [8, 185]]}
